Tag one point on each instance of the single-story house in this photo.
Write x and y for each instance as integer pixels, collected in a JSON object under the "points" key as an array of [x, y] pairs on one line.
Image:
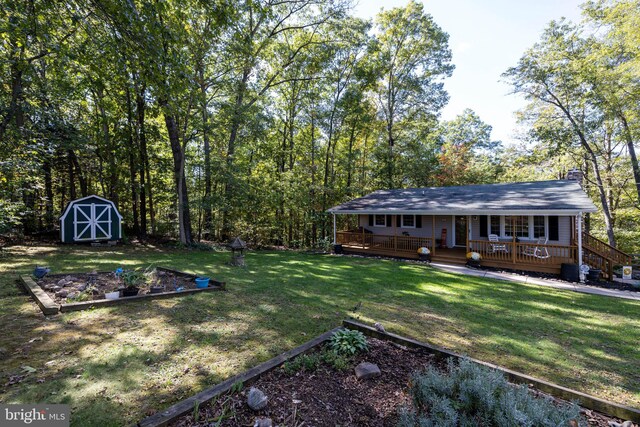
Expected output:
{"points": [[533, 226]]}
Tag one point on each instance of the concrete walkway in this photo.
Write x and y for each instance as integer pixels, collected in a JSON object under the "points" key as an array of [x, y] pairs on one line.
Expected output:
{"points": [[557, 284]]}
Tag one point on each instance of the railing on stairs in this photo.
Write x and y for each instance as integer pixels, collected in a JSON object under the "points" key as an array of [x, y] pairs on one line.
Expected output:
{"points": [[599, 254]]}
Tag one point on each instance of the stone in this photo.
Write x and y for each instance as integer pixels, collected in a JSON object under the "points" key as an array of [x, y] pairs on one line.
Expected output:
{"points": [[81, 288], [55, 288], [627, 424], [62, 293], [256, 399], [366, 370], [263, 422], [379, 327], [72, 295]]}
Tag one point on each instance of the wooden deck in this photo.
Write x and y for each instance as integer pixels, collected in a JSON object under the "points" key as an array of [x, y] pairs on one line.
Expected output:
{"points": [[527, 256]]}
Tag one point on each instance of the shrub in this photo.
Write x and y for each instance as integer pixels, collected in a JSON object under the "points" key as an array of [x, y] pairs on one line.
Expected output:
{"points": [[469, 394], [347, 342], [335, 360]]}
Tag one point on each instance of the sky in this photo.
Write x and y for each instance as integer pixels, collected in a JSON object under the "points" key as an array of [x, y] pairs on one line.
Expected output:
{"points": [[486, 37]]}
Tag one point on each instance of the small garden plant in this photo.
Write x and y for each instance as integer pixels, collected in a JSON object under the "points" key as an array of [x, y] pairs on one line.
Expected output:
{"points": [[468, 394], [347, 342]]}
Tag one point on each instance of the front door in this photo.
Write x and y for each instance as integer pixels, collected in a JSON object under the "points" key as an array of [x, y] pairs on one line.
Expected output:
{"points": [[461, 231]]}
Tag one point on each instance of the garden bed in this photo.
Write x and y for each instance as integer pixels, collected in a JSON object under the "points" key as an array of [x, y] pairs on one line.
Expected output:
{"points": [[79, 291], [318, 395]]}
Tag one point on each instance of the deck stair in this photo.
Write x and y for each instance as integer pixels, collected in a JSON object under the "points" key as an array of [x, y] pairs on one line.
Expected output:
{"points": [[599, 254]]}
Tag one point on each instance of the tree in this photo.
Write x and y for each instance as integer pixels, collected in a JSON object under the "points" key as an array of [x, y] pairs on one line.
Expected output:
{"points": [[411, 56]]}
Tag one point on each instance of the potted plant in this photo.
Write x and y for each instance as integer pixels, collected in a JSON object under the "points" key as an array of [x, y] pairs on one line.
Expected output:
{"points": [[473, 259], [131, 279], [424, 254]]}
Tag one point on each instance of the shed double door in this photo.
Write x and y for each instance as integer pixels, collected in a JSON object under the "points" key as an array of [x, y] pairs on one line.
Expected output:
{"points": [[91, 221]]}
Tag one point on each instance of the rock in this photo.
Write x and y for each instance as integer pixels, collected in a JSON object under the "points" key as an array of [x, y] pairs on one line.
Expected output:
{"points": [[72, 295], [367, 370], [62, 282], [624, 424], [256, 399], [81, 288], [263, 422], [62, 293], [379, 327]]}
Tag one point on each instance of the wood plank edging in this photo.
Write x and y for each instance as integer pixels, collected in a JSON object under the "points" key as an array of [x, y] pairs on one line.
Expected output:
{"points": [[47, 305], [179, 409], [583, 399], [84, 305]]}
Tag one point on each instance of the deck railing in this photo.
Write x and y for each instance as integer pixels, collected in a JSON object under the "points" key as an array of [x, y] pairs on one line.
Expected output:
{"points": [[526, 252], [402, 244]]}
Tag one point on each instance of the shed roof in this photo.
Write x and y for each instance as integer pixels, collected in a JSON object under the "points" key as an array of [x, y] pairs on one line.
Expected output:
{"points": [[85, 199], [542, 197]]}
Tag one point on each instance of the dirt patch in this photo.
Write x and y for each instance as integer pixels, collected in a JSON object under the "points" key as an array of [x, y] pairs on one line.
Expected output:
{"points": [[328, 397], [93, 286]]}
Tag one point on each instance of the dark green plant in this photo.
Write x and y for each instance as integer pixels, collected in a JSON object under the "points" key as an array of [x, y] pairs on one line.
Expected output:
{"points": [[469, 394], [133, 278], [306, 362], [347, 342], [335, 360]]}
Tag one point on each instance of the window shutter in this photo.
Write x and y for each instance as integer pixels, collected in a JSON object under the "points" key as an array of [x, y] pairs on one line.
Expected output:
{"points": [[370, 220], [418, 221], [398, 221], [484, 225], [389, 221], [554, 232]]}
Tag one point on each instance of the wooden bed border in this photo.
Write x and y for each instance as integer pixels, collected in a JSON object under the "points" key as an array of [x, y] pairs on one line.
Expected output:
{"points": [[49, 307], [583, 399], [185, 406]]}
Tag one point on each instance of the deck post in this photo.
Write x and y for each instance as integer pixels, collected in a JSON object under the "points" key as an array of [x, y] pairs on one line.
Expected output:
{"points": [[468, 232], [395, 233], [513, 235], [334, 229], [579, 219]]}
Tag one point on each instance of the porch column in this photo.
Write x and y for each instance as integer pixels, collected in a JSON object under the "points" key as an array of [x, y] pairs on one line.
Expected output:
{"points": [[334, 229], [433, 233], [468, 232], [579, 219]]}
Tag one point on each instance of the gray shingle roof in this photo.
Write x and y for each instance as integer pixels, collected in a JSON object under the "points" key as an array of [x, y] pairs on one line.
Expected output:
{"points": [[552, 197]]}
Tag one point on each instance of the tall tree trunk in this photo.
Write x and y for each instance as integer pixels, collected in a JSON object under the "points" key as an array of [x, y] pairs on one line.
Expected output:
{"points": [[48, 190], [70, 174], [84, 187], [132, 149], [352, 138], [207, 214], [112, 178], [144, 170], [314, 219], [231, 148], [15, 105], [632, 153], [184, 218]]}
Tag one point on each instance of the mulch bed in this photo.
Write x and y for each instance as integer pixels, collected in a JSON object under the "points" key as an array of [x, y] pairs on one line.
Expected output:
{"points": [[326, 397], [76, 284]]}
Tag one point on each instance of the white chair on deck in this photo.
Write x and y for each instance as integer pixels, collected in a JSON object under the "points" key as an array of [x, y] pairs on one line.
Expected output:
{"points": [[495, 245], [536, 251]]}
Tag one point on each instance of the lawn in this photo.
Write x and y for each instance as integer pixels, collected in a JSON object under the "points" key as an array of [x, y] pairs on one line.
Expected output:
{"points": [[116, 365]]}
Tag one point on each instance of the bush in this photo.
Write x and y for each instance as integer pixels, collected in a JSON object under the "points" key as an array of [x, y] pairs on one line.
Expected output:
{"points": [[347, 342], [469, 394], [304, 362]]}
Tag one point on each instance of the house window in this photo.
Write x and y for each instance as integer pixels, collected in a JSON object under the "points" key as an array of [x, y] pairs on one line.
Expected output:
{"points": [[495, 225], [538, 227], [380, 221], [408, 221], [520, 225]]}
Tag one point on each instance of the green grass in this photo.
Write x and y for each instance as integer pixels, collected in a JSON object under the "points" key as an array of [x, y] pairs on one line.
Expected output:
{"points": [[115, 365]]}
